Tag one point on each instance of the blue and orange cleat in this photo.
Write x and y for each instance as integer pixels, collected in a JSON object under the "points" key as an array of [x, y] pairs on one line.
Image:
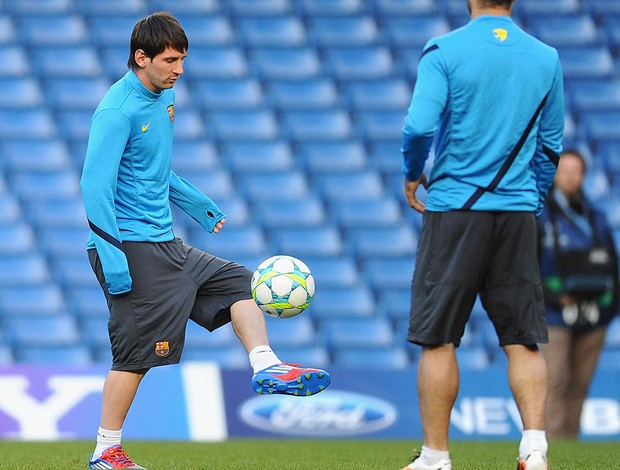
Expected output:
{"points": [[113, 457], [291, 380]]}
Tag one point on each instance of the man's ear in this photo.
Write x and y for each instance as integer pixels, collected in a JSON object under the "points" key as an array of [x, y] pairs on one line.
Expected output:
{"points": [[140, 58]]}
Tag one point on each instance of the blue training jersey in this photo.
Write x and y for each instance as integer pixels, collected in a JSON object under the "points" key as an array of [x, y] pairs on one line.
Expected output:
{"points": [[127, 182], [492, 97]]}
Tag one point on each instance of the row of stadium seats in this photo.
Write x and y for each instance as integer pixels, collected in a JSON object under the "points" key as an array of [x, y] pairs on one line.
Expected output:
{"points": [[289, 116]]}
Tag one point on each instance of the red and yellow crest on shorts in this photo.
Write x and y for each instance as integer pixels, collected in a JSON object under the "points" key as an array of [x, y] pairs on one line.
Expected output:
{"points": [[162, 348], [171, 113]]}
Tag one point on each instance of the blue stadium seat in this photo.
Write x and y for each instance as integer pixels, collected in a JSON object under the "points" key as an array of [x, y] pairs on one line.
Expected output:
{"points": [[600, 126], [258, 7], [74, 124], [594, 95], [350, 63], [15, 59], [343, 302], [602, 9], [472, 358], [329, 7], [45, 185], [206, 30], [86, 301], [191, 156], [113, 62], [386, 157], [112, 30], [32, 124], [188, 124], [186, 7], [236, 210], [52, 330], [546, 7], [388, 273], [609, 360], [611, 29], [10, 211], [17, 239], [403, 7], [342, 31], [560, 31], [20, 93], [215, 62], [379, 94], [6, 355], [63, 241], [230, 358], [612, 337], [38, 7], [390, 358], [56, 213], [399, 241], [279, 185], [413, 31], [608, 155], [384, 211], [65, 355], [227, 94], [79, 93], [32, 300], [328, 156], [198, 337], [304, 212], [327, 124], [60, 30], [94, 331], [214, 183], [314, 356], [257, 157], [293, 332], [407, 59], [7, 29], [302, 94], [271, 31], [332, 272], [66, 61], [73, 270], [111, 7], [380, 124], [22, 270], [586, 62], [35, 155], [366, 333], [304, 242], [360, 186], [395, 304], [231, 243], [244, 124], [284, 63]]}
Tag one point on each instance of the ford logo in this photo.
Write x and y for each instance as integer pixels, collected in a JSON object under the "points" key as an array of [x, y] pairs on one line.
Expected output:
{"points": [[332, 413]]}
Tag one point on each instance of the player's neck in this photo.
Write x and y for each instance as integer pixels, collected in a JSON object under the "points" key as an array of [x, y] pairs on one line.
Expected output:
{"points": [[494, 11]]}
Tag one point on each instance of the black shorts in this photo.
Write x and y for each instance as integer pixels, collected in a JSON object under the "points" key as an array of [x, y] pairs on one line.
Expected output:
{"points": [[172, 282], [465, 253]]}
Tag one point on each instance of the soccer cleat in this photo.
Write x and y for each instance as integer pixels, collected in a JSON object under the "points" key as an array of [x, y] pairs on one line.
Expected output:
{"points": [[535, 461], [113, 457], [417, 464], [291, 380]]}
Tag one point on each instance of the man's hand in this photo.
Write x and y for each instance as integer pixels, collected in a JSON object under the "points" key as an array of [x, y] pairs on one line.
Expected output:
{"points": [[219, 226], [411, 188]]}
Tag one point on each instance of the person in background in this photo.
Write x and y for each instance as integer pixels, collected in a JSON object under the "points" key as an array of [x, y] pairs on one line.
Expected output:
{"points": [[579, 267], [152, 281], [492, 97]]}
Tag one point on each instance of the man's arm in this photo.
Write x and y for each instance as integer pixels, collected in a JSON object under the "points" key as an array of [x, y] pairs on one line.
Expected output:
{"points": [[108, 137], [195, 203], [550, 136]]}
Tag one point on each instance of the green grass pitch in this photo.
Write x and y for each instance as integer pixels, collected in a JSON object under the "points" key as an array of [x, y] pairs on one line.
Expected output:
{"points": [[284, 454]]}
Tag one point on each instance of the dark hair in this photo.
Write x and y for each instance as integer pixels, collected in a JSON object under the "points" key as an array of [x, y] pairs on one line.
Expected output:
{"points": [[154, 33], [495, 3], [578, 154]]}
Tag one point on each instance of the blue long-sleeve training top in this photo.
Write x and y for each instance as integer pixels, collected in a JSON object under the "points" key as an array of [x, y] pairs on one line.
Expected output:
{"points": [[492, 97], [127, 182]]}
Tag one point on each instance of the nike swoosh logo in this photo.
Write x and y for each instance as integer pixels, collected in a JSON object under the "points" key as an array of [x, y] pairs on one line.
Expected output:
{"points": [[144, 128]]}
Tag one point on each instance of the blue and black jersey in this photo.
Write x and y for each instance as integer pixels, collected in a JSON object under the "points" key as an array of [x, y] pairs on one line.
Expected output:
{"points": [[127, 182], [491, 98]]}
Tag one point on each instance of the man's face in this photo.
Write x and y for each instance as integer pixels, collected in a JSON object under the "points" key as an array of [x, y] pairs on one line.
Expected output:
{"points": [[570, 174], [163, 70]]}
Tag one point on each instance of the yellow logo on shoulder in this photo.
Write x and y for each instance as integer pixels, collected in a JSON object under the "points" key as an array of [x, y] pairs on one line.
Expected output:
{"points": [[144, 128], [500, 34]]}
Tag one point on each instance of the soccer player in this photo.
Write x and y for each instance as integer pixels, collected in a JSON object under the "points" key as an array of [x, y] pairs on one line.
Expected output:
{"points": [[152, 281], [492, 97]]}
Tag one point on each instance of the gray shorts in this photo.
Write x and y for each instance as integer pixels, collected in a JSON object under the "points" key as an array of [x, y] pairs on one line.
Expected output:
{"points": [[465, 253], [172, 282]]}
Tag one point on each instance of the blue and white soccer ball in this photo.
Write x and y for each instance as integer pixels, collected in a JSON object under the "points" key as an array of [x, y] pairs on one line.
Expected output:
{"points": [[282, 286]]}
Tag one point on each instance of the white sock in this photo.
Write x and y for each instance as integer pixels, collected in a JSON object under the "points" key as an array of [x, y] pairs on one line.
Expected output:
{"points": [[262, 357], [106, 439], [532, 439], [432, 456]]}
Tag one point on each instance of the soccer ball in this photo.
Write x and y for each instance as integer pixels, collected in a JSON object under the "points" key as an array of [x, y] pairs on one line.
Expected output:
{"points": [[282, 286]]}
